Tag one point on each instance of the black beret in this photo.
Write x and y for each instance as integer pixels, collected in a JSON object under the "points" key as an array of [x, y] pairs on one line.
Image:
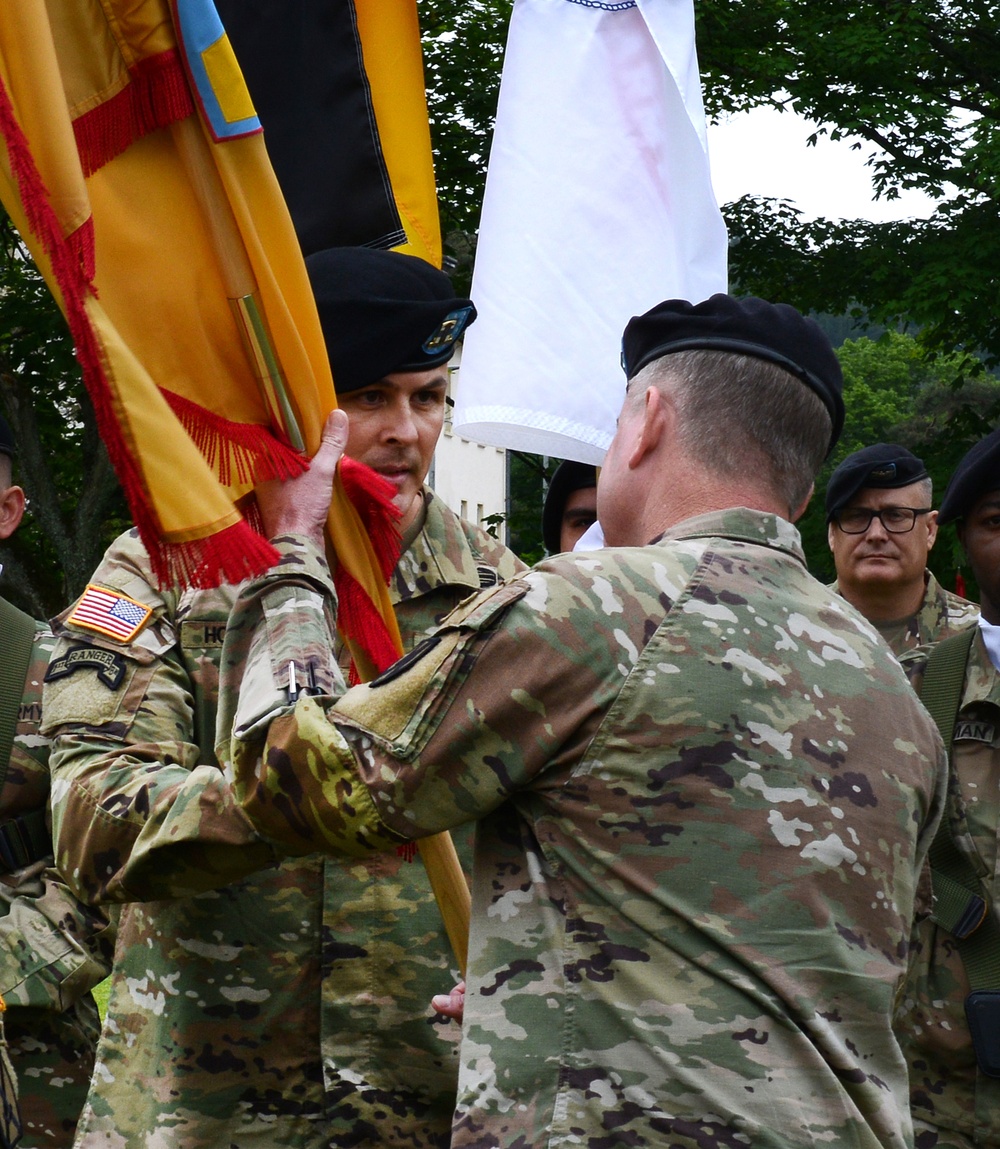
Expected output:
{"points": [[883, 465], [567, 478], [383, 312], [976, 475], [772, 331], [6, 438]]}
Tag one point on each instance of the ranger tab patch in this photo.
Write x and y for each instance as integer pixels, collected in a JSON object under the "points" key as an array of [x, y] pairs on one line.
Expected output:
{"points": [[110, 667], [107, 612]]}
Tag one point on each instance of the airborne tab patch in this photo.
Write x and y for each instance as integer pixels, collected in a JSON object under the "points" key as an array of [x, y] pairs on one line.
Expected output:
{"points": [[107, 612]]}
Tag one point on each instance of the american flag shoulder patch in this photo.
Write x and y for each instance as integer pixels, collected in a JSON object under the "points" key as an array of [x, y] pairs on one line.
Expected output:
{"points": [[110, 613]]}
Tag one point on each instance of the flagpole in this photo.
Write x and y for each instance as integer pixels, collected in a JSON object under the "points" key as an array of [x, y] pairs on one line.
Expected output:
{"points": [[238, 276], [438, 853]]}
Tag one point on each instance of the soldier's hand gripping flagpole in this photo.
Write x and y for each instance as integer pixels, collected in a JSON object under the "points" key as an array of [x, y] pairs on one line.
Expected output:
{"points": [[301, 506], [438, 853]]}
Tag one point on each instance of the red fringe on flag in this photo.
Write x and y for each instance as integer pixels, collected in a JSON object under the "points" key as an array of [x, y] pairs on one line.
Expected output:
{"points": [[238, 452], [372, 496], [81, 245], [357, 617], [229, 555], [360, 623], [156, 96], [959, 584]]}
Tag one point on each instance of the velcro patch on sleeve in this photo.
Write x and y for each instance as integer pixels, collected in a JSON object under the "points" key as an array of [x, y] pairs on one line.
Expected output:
{"points": [[109, 613]]}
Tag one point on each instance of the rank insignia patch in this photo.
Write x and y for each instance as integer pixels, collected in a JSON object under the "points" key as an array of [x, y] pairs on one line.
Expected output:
{"points": [[106, 612], [452, 326], [884, 473]]}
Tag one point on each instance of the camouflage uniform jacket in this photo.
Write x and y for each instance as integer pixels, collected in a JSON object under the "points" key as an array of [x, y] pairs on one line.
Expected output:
{"points": [[954, 1104], [252, 1014], [448, 561], [941, 614], [699, 840], [53, 949]]}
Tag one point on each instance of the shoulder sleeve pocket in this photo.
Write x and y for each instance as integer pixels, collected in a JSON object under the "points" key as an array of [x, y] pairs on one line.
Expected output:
{"points": [[401, 707]]}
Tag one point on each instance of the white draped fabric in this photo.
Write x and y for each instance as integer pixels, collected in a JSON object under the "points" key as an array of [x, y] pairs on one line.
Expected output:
{"points": [[598, 205]]}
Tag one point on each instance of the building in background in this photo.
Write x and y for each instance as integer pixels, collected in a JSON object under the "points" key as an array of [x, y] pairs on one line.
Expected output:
{"points": [[471, 478]]}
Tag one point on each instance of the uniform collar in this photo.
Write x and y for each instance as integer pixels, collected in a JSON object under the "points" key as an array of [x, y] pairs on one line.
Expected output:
{"points": [[741, 524], [440, 555]]}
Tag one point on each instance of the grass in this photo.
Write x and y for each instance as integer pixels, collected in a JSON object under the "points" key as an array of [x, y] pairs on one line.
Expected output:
{"points": [[101, 996]]}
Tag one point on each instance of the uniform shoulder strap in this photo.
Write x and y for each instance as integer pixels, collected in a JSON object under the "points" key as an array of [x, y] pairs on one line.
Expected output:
{"points": [[17, 636], [944, 677], [960, 901]]}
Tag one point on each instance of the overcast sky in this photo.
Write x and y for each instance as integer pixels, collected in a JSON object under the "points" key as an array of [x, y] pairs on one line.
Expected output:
{"points": [[764, 152]]}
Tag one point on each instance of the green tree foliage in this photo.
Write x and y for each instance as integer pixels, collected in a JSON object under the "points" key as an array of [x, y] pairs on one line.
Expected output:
{"points": [[918, 83], [463, 42], [74, 504], [529, 479]]}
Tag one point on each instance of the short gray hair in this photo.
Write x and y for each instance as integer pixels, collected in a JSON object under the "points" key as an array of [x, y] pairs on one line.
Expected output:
{"points": [[740, 415], [926, 487]]}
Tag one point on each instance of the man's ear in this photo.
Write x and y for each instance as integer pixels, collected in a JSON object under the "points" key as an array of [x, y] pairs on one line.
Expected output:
{"points": [[658, 416], [932, 529], [800, 510], [11, 510]]}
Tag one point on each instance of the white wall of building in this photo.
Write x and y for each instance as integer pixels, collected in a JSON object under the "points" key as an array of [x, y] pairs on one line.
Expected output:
{"points": [[471, 478]]}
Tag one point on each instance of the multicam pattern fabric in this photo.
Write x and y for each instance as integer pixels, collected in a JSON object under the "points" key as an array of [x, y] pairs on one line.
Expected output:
{"points": [[955, 1105], [53, 949], [941, 614], [291, 1007], [698, 845], [448, 561]]}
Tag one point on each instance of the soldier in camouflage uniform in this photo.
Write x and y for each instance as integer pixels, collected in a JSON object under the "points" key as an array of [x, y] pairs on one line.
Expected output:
{"points": [[882, 563], [53, 949], [699, 840], [257, 1014], [956, 1105]]}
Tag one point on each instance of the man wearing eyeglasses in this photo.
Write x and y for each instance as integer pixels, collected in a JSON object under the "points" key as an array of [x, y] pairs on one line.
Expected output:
{"points": [[881, 527]]}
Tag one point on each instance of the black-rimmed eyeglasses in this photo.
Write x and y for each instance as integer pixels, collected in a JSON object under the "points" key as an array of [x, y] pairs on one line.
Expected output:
{"points": [[896, 520]]}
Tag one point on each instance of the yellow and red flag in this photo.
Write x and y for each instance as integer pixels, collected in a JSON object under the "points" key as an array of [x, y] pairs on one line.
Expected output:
{"points": [[134, 168]]}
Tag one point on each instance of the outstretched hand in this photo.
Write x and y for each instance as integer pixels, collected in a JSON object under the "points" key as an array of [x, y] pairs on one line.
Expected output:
{"points": [[300, 506]]}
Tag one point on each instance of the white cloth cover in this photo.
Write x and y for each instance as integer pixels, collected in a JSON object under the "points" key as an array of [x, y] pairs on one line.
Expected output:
{"points": [[592, 538], [598, 205], [991, 638]]}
